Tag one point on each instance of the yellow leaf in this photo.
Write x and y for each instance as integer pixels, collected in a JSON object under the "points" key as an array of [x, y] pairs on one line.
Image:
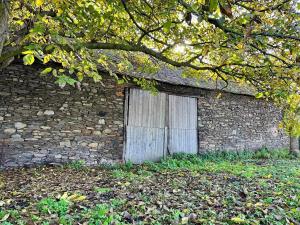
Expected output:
{"points": [[80, 198], [47, 58], [127, 183], [184, 220], [76, 198], [238, 220], [268, 176], [186, 211], [258, 204], [240, 45], [39, 2], [59, 12], [219, 95], [64, 196]]}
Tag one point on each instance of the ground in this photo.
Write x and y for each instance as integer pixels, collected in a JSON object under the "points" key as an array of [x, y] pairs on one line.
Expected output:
{"points": [[191, 190]]}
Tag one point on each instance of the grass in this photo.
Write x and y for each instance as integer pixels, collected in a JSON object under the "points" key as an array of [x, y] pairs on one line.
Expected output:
{"points": [[260, 187]]}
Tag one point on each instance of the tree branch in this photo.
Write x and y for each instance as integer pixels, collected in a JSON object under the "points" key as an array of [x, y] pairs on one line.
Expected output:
{"points": [[143, 49], [230, 31], [138, 26]]}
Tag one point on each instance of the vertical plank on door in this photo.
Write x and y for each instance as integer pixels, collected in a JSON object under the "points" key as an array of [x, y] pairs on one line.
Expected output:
{"points": [[182, 125], [145, 130]]}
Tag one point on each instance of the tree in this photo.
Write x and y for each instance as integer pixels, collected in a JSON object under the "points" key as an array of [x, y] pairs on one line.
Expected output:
{"points": [[249, 42], [3, 23], [291, 121]]}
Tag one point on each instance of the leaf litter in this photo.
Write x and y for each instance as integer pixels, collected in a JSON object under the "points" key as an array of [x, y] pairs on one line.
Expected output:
{"points": [[143, 195]]}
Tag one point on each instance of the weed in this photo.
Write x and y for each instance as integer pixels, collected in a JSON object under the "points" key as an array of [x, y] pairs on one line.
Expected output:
{"points": [[76, 165], [35, 218], [66, 220], [50, 206], [115, 203], [45, 223], [263, 154], [102, 190], [174, 216], [127, 166], [121, 174], [101, 215], [6, 223]]}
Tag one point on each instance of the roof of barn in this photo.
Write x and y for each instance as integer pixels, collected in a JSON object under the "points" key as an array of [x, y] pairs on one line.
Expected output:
{"points": [[174, 76]]}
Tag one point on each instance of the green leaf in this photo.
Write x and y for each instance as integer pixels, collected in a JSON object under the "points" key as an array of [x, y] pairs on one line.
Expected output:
{"points": [[121, 81], [38, 28], [28, 59], [259, 95], [46, 71], [167, 26], [63, 80], [213, 5], [27, 52]]}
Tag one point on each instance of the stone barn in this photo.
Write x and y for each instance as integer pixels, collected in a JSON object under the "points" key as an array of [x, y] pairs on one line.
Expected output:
{"points": [[41, 123]]}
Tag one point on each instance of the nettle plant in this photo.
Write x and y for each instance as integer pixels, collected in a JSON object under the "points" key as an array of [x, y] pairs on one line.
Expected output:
{"points": [[247, 42]]}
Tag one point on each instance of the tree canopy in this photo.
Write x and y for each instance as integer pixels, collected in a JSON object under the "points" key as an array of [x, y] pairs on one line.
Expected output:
{"points": [[253, 42]]}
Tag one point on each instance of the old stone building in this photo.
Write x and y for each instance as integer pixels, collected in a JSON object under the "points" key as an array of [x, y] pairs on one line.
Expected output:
{"points": [[42, 123]]}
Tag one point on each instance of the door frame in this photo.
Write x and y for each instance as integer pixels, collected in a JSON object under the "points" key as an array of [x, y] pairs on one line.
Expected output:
{"points": [[126, 112]]}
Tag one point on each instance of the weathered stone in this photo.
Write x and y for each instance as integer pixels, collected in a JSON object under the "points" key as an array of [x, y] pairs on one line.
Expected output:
{"points": [[58, 156], [20, 125], [93, 145], [107, 131], [1, 118], [101, 145], [45, 127], [65, 143], [97, 132], [31, 139], [101, 121], [39, 155], [2, 93], [10, 130], [76, 131], [40, 113], [83, 144], [49, 112], [17, 137]]}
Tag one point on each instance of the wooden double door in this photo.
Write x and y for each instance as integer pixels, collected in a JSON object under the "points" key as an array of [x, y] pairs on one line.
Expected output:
{"points": [[157, 125]]}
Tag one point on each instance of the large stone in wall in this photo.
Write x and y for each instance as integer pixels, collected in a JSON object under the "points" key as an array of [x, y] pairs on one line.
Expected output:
{"points": [[49, 112], [10, 130], [20, 125]]}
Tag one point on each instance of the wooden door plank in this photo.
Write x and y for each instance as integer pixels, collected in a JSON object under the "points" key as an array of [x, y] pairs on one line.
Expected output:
{"points": [[145, 132], [182, 125]]}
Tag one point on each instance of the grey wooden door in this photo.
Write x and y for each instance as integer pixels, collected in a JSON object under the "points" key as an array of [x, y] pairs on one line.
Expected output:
{"points": [[182, 122], [145, 130]]}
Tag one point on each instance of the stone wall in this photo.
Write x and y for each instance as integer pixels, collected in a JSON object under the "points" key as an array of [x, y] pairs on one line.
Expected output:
{"points": [[41, 123], [238, 122]]}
